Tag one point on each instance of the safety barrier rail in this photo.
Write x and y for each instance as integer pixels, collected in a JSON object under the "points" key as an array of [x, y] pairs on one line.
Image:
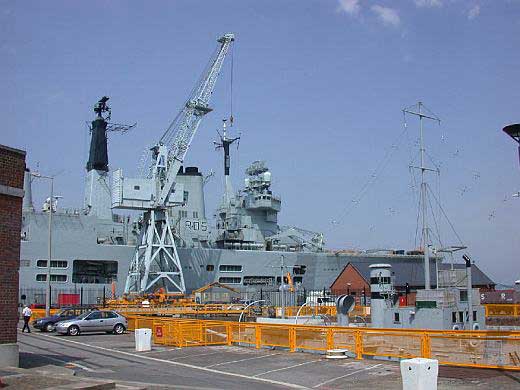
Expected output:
{"points": [[483, 349], [502, 310], [40, 313]]}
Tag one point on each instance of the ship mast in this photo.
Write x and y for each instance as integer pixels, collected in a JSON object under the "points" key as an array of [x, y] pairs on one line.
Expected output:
{"points": [[425, 230], [224, 144]]}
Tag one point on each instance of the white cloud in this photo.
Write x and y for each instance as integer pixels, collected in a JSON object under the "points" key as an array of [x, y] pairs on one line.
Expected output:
{"points": [[474, 12], [350, 7], [388, 16], [428, 3]]}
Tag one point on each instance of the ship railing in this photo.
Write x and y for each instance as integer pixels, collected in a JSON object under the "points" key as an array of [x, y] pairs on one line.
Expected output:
{"points": [[502, 310]]}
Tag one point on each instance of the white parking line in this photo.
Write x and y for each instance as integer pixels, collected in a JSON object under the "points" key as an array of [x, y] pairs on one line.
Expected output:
{"points": [[346, 375], [254, 378], [287, 368], [161, 350], [196, 355], [243, 360]]}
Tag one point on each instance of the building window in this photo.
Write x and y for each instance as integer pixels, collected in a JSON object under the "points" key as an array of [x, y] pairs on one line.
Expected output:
{"points": [[396, 317], [54, 278], [25, 263], [94, 271], [230, 268], [229, 280], [54, 263], [463, 295], [195, 214], [210, 267]]}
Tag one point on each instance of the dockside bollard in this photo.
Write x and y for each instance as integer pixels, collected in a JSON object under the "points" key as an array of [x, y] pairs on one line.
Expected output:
{"points": [[419, 374], [143, 340]]}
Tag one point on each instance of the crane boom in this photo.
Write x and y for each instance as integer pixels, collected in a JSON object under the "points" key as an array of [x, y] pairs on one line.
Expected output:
{"points": [[156, 263], [180, 134]]}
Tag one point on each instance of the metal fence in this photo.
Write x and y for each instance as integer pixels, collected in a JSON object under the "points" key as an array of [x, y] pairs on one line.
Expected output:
{"points": [[85, 295], [483, 349]]}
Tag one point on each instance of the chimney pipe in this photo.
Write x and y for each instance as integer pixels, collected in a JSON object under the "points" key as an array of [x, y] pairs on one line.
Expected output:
{"points": [[27, 204], [470, 290]]}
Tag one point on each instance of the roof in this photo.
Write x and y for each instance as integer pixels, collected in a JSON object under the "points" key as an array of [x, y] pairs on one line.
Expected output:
{"points": [[214, 284], [413, 272]]}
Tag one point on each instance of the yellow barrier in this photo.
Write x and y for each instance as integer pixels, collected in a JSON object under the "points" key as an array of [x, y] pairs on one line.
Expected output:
{"points": [[484, 349], [502, 310], [40, 313]]}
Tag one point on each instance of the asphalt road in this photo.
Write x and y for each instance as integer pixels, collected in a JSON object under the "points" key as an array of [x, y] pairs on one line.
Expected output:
{"points": [[222, 367]]}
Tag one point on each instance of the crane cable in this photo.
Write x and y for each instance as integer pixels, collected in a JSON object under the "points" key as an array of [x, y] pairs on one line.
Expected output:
{"points": [[231, 86]]}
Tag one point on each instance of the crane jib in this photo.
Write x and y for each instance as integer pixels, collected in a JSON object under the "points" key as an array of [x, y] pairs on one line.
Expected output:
{"points": [[155, 262]]}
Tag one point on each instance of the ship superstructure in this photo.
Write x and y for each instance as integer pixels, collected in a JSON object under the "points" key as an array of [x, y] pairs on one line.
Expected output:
{"points": [[93, 247]]}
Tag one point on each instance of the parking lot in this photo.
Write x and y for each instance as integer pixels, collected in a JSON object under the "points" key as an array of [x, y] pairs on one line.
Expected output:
{"points": [[218, 367]]}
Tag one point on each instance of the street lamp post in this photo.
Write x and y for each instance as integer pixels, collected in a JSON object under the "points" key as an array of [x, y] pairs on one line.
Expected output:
{"points": [[48, 276]]}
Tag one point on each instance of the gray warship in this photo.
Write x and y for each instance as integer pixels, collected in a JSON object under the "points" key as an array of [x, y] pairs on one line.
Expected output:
{"points": [[92, 246]]}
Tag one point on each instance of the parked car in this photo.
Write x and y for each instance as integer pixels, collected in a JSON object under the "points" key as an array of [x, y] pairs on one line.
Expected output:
{"points": [[46, 324], [95, 321]]}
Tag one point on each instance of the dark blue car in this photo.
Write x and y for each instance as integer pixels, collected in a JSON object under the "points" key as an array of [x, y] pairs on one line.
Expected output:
{"points": [[46, 324]]}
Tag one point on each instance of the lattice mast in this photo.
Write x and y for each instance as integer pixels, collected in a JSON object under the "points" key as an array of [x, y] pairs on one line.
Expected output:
{"points": [[155, 263]]}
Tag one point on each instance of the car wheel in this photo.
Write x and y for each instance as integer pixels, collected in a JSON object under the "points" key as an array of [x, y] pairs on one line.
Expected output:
{"points": [[49, 327], [119, 329], [73, 330]]}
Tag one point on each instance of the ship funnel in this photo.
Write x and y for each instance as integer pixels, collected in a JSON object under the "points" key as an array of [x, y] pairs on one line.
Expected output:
{"points": [[381, 289], [27, 197]]}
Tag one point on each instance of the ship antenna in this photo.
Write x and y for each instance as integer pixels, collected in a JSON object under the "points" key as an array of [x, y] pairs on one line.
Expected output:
{"points": [[418, 111]]}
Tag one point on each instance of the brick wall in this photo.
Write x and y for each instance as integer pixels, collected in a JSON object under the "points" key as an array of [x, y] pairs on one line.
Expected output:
{"points": [[351, 281], [12, 168]]}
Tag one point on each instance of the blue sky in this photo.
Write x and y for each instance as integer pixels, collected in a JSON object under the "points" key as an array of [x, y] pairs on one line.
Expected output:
{"points": [[319, 86]]}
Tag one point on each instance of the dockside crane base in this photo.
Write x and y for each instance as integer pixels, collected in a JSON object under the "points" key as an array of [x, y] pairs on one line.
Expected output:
{"points": [[155, 263]]}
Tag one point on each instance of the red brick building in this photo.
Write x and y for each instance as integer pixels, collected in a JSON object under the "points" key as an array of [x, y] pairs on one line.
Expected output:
{"points": [[354, 279], [12, 169]]}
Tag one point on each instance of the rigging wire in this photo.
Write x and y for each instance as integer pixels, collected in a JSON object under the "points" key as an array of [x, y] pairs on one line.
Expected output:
{"points": [[444, 213], [372, 179]]}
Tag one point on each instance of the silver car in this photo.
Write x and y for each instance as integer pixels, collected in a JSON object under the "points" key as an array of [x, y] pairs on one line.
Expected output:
{"points": [[94, 321]]}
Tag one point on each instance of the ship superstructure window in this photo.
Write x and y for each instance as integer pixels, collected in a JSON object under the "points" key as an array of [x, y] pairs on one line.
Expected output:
{"points": [[25, 263], [137, 188], [185, 196], [210, 267], [259, 280], [183, 214], [297, 279], [229, 280], [299, 269], [54, 263], [54, 278], [195, 214], [94, 271], [230, 268], [380, 280]]}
